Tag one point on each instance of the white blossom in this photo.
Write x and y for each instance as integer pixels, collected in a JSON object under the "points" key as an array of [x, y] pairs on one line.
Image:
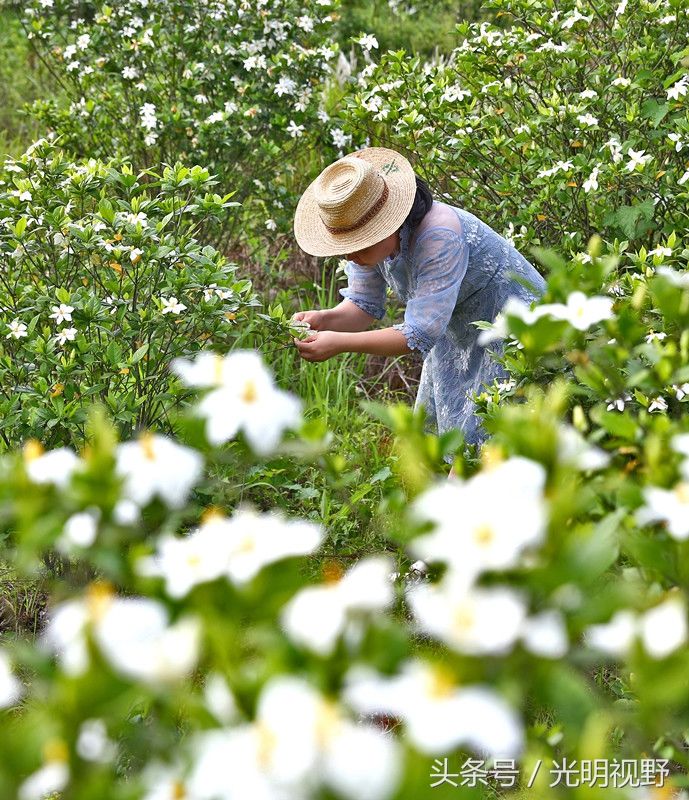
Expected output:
{"points": [[156, 466], [171, 305], [317, 616], [61, 313], [438, 714], [244, 397]]}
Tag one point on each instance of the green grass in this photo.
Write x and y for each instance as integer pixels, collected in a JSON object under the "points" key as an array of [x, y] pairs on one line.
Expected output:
{"points": [[22, 80]]}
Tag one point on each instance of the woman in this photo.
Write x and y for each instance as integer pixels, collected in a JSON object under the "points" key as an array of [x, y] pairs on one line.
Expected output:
{"points": [[445, 264]]}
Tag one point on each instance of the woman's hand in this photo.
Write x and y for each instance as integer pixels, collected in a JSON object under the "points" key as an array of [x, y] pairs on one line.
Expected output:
{"points": [[321, 346], [317, 319]]}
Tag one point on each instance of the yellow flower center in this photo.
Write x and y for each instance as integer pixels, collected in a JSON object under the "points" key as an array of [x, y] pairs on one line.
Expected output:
{"points": [[147, 445], [464, 618], [33, 449], [249, 395], [217, 370], [682, 493], [484, 535], [266, 744], [327, 721], [55, 750], [441, 682], [99, 596], [178, 791]]}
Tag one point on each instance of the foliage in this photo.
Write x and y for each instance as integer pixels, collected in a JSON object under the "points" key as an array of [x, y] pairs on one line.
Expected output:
{"points": [[22, 80], [232, 85], [563, 122], [103, 282], [238, 656]]}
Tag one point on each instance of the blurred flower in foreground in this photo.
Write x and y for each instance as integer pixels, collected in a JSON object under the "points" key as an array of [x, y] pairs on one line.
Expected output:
{"points": [[471, 620], [155, 465], [237, 548], [317, 616], [10, 687], [472, 532], [132, 633], [299, 741], [55, 466], [662, 630], [244, 398], [438, 714]]}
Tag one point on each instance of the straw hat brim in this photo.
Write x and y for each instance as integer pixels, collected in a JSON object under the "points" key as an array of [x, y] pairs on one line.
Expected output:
{"points": [[314, 238]]}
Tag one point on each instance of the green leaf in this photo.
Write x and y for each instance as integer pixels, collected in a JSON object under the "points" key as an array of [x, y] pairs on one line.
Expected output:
{"points": [[139, 354], [654, 111], [633, 220]]}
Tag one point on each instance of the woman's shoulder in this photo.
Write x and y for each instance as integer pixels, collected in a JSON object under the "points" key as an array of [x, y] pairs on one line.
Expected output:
{"points": [[442, 223]]}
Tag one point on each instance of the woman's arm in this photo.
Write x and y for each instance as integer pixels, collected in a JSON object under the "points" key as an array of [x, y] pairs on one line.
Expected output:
{"points": [[347, 316], [326, 344]]}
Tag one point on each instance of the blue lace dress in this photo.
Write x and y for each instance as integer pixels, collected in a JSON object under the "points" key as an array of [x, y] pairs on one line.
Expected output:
{"points": [[452, 269]]}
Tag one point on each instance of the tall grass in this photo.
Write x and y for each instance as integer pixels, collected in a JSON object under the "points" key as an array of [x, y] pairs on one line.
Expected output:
{"points": [[22, 80]]}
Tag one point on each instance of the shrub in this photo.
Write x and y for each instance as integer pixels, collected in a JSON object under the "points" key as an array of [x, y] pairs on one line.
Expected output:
{"points": [[547, 123], [232, 85], [103, 282]]}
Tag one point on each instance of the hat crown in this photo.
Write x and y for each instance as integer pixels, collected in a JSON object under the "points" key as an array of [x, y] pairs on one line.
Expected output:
{"points": [[347, 192]]}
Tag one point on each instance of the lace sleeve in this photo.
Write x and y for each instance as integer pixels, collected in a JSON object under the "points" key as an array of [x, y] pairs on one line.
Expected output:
{"points": [[440, 258], [366, 289]]}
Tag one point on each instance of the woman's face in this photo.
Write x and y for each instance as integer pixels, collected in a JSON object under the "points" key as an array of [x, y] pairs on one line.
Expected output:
{"points": [[370, 256]]}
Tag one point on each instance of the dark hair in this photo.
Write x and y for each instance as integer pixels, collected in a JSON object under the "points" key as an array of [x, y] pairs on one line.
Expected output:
{"points": [[422, 204]]}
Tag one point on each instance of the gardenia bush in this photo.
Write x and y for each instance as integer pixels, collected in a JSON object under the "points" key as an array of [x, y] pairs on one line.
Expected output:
{"points": [[103, 282], [186, 657], [549, 122], [231, 85]]}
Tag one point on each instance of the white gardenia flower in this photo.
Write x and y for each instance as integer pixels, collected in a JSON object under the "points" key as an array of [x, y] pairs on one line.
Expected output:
{"points": [[17, 329], [132, 633], [658, 404], [61, 313], [678, 279], [545, 634], [471, 620], [246, 398], [299, 742], [171, 305], [574, 449], [93, 743], [438, 715], [581, 311], [588, 120], [316, 616], [662, 630], [368, 41], [659, 336], [65, 335], [678, 89], [618, 403], [155, 465], [637, 159], [80, 530], [681, 391], [48, 780], [472, 532], [591, 183], [514, 307], [295, 130], [11, 688], [237, 548], [55, 466], [670, 506]]}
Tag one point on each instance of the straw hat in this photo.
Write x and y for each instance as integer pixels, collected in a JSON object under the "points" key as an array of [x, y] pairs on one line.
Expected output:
{"points": [[355, 202]]}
